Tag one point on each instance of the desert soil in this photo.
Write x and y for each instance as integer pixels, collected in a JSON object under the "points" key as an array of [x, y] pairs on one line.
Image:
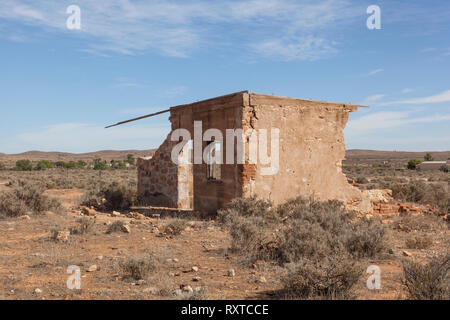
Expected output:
{"points": [[30, 259]]}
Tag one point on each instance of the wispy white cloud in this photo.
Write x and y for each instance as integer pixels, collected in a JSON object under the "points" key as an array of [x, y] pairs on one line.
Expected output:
{"points": [[437, 98], [407, 90], [390, 119], [309, 48], [373, 98], [123, 82], [175, 28], [373, 72]]}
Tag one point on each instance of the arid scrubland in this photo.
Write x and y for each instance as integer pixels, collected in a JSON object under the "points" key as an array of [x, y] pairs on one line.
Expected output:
{"points": [[304, 249]]}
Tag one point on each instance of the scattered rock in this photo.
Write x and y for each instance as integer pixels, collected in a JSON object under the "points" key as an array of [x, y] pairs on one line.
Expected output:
{"points": [[407, 253], [195, 269], [262, 280], [37, 291], [196, 279], [231, 273], [151, 290], [188, 289], [175, 260], [25, 217], [178, 292], [140, 282], [61, 236], [100, 258], [126, 228], [88, 211], [115, 214], [92, 268]]}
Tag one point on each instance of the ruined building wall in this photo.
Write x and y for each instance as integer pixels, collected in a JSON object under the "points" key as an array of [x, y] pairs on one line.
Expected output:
{"points": [[158, 178], [219, 113], [311, 150], [311, 144]]}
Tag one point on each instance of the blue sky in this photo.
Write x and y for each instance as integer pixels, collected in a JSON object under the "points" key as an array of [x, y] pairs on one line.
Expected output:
{"points": [[60, 87]]}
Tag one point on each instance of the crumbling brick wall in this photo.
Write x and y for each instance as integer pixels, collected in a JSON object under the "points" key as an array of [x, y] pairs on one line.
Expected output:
{"points": [[158, 178]]}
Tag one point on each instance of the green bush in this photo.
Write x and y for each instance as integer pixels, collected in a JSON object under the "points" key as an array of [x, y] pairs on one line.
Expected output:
{"points": [[100, 165], [118, 164], [428, 157], [130, 159], [2, 166], [23, 165], [44, 164], [413, 163]]}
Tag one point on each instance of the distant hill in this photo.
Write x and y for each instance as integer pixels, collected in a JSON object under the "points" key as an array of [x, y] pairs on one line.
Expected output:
{"points": [[355, 155], [107, 155]]}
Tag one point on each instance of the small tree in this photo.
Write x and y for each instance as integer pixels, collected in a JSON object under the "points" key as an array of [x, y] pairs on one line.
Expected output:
{"points": [[44, 164], [131, 160], [118, 164], [428, 157], [100, 165], [81, 164], [23, 165], [413, 163], [60, 164]]}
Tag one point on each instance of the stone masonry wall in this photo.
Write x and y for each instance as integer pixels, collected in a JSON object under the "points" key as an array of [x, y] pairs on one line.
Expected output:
{"points": [[158, 178]]}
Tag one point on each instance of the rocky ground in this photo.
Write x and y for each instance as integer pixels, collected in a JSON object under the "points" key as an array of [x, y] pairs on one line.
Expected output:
{"points": [[34, 257]]}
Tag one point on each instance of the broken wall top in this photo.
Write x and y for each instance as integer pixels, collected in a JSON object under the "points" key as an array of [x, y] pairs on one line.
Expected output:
{"points": [[246, 98]]}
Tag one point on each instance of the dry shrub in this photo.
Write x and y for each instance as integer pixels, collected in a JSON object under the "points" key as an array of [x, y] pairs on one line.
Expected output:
{"points": [[366, 239], [419, 242], [116, 226], [421, 222], [329, 278], [436, 194], [117, 195], [11, 206], [319, 243], [250, 223], [200, 293], [175, 227], [85, 225], [246, 208], [300, 229], [427, 281], [138, 268], [25, 197]]}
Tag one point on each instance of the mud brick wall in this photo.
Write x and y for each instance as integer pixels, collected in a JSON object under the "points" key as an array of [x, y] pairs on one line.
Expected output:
{"points": [[311, 150]]}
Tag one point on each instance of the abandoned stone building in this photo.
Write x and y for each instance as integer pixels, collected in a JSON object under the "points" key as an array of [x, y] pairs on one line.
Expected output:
{"points": [[310, 143]]}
